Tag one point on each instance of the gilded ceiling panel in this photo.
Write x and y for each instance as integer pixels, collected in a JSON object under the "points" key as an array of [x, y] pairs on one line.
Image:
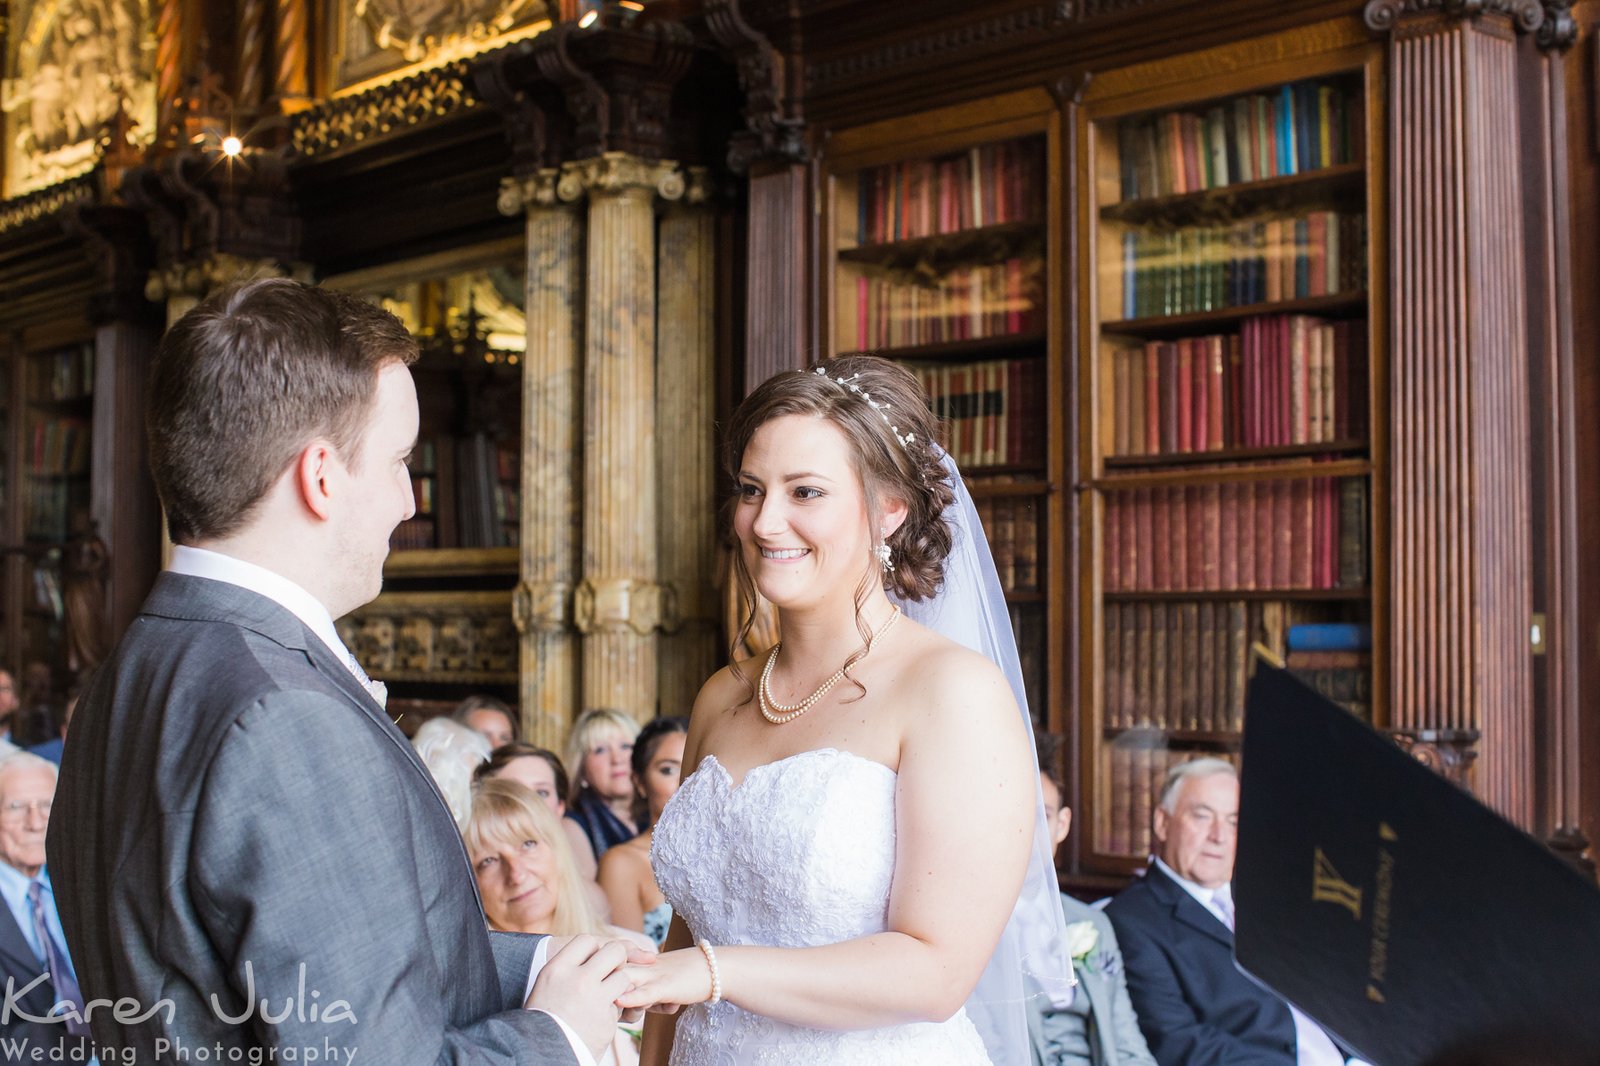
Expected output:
{"points": [[380, 39]]}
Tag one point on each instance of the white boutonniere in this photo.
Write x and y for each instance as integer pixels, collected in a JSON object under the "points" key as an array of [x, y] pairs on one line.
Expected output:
{"points": [[1082, 937]]}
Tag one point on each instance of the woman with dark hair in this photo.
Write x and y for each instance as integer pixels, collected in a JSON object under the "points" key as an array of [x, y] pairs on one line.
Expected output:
{"points": [[625, 874], [847, 853]]}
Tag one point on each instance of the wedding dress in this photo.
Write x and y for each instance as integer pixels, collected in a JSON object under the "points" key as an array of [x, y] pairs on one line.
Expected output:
{"points": [[798, 854]]}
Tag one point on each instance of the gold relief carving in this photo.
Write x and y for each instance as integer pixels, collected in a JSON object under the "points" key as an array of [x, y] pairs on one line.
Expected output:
{"points": [[1215, 62], [536, 190], [381, 37], [618, 174], [398, 105], [200, 279], [459, 637], [542, 606], [45, 202], [615, 604], [69, 65], [697, 189]]}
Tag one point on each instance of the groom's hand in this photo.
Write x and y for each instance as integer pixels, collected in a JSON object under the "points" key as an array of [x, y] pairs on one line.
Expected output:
{"points": [[581, 985]]}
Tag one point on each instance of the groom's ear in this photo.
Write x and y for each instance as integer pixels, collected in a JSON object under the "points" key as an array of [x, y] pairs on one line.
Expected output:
{"points": [[315, 470]]}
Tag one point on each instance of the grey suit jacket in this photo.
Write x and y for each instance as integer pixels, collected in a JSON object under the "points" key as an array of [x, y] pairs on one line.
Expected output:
{"points": [[1113, 1037], [245, 845]]}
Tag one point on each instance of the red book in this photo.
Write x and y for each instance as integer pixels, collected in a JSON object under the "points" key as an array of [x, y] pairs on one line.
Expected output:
{"points": [[1014, 412], [1178, 537], [1199, 368], [1174, 143], [863, 300], [1194, 173], [1265, 541], [1216, 357], [1235, 392], [1111, 538], [1161, 543], [1228, 535], [1317, 251], [1211, 546], [1330, 537], [1302, 534], [1250, 383], [1194, 505], [1299, 380], [1283, 352], [1245, 532], [1128, 531], [1152, 398], [1169, 397], [1284, 529], [1144, 521], [1184, 414]]}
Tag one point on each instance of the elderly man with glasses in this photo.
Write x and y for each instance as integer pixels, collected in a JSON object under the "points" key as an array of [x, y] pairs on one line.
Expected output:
{"points": [[39, 977]]}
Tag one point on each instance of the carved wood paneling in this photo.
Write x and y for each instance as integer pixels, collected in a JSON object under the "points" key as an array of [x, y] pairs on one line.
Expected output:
{"points": [[463, 638], [389, 109], [993, 32], [776, 337], [1459, 400]]}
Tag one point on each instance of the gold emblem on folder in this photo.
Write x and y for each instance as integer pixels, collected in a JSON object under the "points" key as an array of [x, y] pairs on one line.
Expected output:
{"points": [[1328, 887]]}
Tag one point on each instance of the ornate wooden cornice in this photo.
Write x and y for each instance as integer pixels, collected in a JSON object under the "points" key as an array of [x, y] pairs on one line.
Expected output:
{"points": [[1384, 15], [622, 99], [992, 32], [117, 245], [400, 105], [510, 80], [774, 129], [44, 203]]}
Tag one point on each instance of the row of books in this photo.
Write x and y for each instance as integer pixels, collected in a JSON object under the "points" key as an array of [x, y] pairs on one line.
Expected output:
{"points": [[983, 186], [1297, 128], [1013, 525], [1282, 379], [60, 446], [993, 413], [990, 300], [1191, 269], [1301, 533], [1134, 772], [415, 534], [50, 506], [67, 374], [422, 493], [1345, 677]]}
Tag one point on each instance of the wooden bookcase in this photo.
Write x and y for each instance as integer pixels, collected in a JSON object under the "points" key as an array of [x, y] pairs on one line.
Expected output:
{"points": [[943, 252], [1230, 364]]}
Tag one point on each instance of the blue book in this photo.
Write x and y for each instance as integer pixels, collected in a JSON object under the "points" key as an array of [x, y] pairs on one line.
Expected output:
{"points": [[1330, 636], [1130, 274], [1286, 140]]}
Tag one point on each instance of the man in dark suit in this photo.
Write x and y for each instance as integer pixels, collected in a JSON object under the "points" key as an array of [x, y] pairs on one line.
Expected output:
{"points": [[33, 955], [245, 845], [1176, 930]]}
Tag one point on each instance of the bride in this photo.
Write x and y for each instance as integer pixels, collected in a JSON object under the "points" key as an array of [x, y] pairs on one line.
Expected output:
{"points": [[846, 856]]}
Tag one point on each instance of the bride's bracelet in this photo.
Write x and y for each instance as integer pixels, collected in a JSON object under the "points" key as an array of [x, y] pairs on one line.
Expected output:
{"points": [[716, 977]]}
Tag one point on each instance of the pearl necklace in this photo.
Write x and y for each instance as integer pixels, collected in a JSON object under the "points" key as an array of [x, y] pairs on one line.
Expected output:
{"points": [[779, 713]]}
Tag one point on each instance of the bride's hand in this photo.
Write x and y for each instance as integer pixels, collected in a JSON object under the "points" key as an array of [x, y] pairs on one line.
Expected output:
{"points": [[676, 979]]}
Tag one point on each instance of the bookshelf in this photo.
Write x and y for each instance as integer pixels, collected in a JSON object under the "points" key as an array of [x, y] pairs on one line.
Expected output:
{"points": [[1228, 448], [941, 242]]}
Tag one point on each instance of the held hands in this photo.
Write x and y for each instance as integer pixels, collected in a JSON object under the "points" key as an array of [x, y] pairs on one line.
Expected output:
{"points": [[584, 983], [677, 979]]}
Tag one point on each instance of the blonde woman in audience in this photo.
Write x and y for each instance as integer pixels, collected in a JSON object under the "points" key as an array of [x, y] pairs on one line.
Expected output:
{"points": [[541, 771], [451, 752], [527, 878], [600, 758], [625, 874]]}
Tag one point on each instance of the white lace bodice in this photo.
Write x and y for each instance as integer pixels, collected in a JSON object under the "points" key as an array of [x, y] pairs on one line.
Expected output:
{"points": [[799, 854]]}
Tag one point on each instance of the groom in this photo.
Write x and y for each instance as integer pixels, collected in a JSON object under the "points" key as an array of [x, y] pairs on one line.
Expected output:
{"points": [[243, 844]]}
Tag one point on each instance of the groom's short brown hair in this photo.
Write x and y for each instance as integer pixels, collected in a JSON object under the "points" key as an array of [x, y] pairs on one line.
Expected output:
{"points": [[247, 379]]}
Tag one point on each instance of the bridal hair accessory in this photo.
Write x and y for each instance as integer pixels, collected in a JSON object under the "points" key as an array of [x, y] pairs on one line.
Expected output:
{"points": [[883, 553], [849, 384], [779, 713], [716, 977]]}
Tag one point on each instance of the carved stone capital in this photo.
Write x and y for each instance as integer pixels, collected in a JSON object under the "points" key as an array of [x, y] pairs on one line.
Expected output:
{"points": [[621, 174], [1448, 752], [532, 191], [618, 603], [1384, 16], [542, 606], [204, 276], [1559, 30]]}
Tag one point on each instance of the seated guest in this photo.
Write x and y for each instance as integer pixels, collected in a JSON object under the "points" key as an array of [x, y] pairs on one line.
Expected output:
{"points": [[541, 771], [1176, 930], [526, 877], [1099, 1027], [600, 756], [10, 703], [31, 940], [451, 752], [489, 716], [51, 749], [625, 873]]}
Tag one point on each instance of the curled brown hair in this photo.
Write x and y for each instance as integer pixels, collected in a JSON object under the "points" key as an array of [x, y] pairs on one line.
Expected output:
{"points": [[247, 379], [913, 473]]}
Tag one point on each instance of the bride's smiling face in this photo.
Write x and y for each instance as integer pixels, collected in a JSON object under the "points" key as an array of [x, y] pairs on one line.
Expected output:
{"points": [[801, 517]]}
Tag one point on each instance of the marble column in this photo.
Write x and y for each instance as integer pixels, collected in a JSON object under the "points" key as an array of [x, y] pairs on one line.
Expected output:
{"points": [[686, 460], [552, 395], [617, 605]]}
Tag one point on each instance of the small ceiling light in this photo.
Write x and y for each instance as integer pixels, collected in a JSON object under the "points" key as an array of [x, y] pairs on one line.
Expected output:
{"points": [[632, 5], [588, 20], [232, 146]]}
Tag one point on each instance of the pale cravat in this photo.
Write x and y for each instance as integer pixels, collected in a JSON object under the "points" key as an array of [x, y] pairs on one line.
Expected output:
{"points": [[55, 961], [1222, 905], [377, 689]]}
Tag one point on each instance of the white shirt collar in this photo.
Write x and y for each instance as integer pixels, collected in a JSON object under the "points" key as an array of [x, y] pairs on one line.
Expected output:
{"points": [[1202, 895], [201, 562]]}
